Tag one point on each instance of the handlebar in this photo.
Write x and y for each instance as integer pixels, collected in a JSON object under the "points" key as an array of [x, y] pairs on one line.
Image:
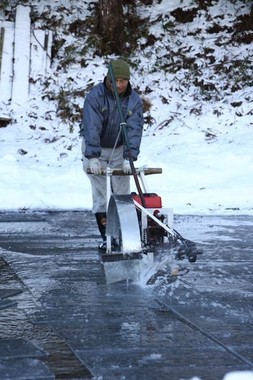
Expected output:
{"points": [[119, 171]]}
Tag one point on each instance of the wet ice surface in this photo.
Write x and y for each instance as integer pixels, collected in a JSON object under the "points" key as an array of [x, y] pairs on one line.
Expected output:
{"points": [[85, 327]]}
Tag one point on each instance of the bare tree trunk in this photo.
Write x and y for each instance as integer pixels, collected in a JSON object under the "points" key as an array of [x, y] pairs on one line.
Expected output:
{"points": [[110, 25]]}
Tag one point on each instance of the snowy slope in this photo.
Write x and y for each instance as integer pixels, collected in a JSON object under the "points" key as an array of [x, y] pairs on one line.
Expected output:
{"points": [[196, 73]]}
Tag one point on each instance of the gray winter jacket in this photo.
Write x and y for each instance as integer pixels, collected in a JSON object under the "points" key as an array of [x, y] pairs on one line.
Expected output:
{"points": [[101, 121]]}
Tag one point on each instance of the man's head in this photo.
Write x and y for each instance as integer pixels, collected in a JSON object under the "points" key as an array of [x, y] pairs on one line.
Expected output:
{"points": [[121, 73]]}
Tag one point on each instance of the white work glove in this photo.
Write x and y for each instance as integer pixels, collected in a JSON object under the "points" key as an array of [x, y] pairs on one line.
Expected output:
{"points": [[95, 166], [126, 167]]}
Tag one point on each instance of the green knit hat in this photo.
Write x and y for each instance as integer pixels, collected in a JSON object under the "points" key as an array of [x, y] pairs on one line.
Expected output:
{"points": [[120, 69]]}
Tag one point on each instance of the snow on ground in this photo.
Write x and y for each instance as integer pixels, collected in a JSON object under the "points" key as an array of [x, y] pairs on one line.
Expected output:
{"points": [[239, 375], [202, 144], [236, 375]]}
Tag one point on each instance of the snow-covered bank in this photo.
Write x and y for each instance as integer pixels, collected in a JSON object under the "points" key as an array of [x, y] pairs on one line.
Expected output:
{"points": [[199, 128]]}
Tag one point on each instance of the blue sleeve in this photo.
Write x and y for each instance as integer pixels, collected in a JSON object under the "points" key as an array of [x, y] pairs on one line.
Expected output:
{"points": [[92, 124]]}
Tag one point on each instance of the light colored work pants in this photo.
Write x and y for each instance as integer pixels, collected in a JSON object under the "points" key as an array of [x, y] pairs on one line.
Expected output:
{"points": [[119, 184]]}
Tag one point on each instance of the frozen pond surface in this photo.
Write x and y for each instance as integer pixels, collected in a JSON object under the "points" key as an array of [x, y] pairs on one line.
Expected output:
{"points": [[59, 319]]}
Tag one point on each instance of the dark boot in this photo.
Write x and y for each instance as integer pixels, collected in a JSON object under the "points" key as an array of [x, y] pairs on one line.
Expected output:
{"points": [[101, 222]]}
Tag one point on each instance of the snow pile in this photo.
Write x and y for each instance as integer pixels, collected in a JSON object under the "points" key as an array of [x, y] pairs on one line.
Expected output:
{"points": [[239, 375], [236, 375]]}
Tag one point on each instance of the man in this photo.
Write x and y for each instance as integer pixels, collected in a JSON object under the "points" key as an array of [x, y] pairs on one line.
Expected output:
{"points": [[103, 142]]}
